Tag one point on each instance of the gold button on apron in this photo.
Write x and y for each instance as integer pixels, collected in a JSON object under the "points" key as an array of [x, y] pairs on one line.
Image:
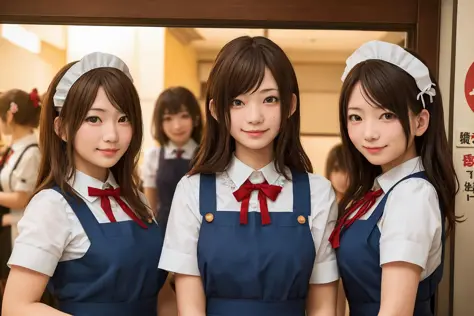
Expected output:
{"points": [[301, 219], [209, 217]]}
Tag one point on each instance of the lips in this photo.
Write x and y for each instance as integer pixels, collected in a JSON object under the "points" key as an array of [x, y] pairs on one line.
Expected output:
{"points": [[374, 150]]}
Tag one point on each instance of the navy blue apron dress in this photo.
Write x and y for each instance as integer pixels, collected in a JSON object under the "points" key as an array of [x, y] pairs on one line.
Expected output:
{"points": [[119, 273], [255, 269], [169, 172], [358, 259]]}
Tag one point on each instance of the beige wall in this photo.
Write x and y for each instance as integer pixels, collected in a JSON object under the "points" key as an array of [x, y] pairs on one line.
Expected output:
{"points": [[21, 69], [463, 121], [181, 68]]}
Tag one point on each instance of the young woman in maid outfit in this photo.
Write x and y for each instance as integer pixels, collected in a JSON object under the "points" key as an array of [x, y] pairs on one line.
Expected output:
{"points": [[87, 230], [249, 227], [390, 238]]}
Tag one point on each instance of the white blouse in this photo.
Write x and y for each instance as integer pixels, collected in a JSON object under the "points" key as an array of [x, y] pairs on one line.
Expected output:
{"points": [[410, 226], [50, 231], [151, 160], [179, 253], [24, 177]]}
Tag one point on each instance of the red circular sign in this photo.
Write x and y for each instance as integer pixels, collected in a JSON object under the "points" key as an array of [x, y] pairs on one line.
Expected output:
{"points": [[469, 87]]}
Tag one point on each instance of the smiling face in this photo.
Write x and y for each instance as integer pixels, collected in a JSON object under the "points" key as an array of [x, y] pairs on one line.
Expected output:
{"points": [[103, 137], [178, 127], [377, 133], [255, 117]]}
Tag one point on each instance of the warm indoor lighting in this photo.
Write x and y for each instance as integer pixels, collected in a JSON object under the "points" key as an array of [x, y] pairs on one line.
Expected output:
{"points": [[21, 37]]}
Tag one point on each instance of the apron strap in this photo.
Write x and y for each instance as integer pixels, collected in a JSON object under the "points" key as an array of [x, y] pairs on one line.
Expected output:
{"points": [[207, 194], [18, 162], [88, 221], [301, 194]]}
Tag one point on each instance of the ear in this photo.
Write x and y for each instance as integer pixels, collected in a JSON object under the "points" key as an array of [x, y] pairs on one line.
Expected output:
{"points": [[58, 129], [212, 109], [422, 122], [294, 103]]}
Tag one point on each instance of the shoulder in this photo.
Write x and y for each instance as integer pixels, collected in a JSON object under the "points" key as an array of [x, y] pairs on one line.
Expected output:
{"points": [[47, 205], [47, 197], [414, 189], [151, 153], [29, 152], [320, 186], [414, 199]]}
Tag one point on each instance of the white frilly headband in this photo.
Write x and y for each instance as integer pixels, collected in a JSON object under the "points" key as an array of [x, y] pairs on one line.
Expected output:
{"points": [[86, 64], [397, 56]]}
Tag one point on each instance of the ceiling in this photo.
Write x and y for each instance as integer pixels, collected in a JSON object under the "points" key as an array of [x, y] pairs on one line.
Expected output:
{"points": [[300, 45], [293, 40]]}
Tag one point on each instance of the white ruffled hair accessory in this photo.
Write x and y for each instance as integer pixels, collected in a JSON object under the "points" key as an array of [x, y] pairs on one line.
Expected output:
{"points": [[86, 64], [397, 56]]}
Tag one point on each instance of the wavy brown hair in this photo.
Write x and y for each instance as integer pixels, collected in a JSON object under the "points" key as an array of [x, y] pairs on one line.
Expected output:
{"points": [[57, 163], [389, 87], [240, 68]]}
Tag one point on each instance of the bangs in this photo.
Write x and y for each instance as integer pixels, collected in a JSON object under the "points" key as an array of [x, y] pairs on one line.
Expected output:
{"points": [[247, 71], [382, 86], [172, 107], [118, 88]]}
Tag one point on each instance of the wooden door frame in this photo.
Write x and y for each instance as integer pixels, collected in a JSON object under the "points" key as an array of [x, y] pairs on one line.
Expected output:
{"points": [[419, 18]]}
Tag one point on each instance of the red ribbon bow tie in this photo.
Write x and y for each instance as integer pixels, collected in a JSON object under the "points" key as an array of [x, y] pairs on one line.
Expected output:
{"points": [[363, 206], [179, 153], [104, 195], [265, 191]]}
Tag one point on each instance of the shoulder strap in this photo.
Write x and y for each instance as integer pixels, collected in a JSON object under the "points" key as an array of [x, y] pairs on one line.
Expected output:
{"points": [[207, 193], [301, 193], [17, 162]]}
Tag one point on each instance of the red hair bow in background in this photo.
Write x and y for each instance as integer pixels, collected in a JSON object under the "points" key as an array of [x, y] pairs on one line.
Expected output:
{"points": [[34, 96]]}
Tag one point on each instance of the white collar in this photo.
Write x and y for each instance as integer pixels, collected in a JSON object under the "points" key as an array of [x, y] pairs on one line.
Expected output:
{"points": [[188, 148], [240, 172], [80, 182]]}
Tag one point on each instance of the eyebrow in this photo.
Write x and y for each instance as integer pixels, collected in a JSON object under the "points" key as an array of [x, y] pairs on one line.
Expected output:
{"points": [[98, 109], [267, 90], [354, 108]]}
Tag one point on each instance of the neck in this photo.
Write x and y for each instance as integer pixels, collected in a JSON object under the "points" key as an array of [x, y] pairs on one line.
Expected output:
{"points": [[20, 132], [254, 158]]}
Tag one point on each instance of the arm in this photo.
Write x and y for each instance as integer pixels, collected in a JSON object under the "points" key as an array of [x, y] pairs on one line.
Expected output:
{"points": [[20, 300], [410, 231], [14, 200], [322, 296], [167, 301], [341, 301], [191, 297], [179, 254], [321, 299], [44, 233], [148, 175], [399, 286]]}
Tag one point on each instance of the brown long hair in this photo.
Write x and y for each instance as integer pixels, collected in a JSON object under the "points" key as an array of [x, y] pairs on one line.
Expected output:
{"points": [[389, 87], [57, 163], [240, 68], [172, 101]]}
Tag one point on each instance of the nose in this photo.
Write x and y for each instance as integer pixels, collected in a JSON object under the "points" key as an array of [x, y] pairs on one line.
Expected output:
{"points": [[176, 123], [254, 113], [371, 131], [110, 132]]}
